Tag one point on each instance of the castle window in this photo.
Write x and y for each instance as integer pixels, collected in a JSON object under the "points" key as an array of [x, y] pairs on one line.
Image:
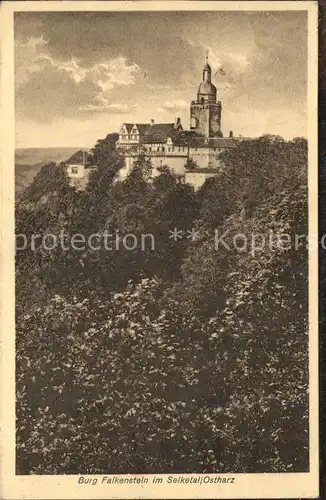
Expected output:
{"points": [[74, 170]]}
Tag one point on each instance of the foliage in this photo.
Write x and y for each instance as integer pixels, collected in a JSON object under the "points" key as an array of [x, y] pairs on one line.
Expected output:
{"points": [[51, 178], [191, 164], [260, 202], [189, 358], [104, 148], [112, 385]]}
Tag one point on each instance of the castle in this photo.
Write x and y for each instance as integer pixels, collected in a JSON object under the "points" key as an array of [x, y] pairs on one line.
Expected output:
{"points": [[193, 155]]}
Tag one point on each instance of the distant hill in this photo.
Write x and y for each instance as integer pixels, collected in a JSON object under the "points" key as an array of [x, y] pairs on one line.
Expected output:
{"points": [[33, 156], [28, 161]]}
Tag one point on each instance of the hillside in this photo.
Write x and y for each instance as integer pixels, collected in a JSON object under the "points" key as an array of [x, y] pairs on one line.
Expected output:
{"points": [[184, 356], [28, 162], [24, 175]]}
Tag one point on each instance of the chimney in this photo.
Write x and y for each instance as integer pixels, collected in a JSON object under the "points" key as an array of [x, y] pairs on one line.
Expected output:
{"points": [[231, 133], [177, 122], [152, 121]]}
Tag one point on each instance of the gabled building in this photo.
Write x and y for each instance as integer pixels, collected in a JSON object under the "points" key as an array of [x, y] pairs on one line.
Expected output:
{"points": [[130, 133], [193, 155], [79, 167], [152, 139], [159, 133], [169, 144]]}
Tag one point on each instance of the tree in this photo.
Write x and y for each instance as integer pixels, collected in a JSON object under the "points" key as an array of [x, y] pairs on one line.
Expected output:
{"points": [[191, 164], [104, 148], [127, 352], [173, 206]]}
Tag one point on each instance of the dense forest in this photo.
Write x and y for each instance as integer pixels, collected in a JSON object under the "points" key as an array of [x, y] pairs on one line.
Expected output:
{"points": [[180, 358]]}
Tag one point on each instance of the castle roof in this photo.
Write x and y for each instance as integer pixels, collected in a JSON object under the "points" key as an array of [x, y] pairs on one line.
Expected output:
{"points": [[142, 127], [128, 126], [213, 142], [207, 88], [183, 137], [79, 158], [189, 137], [160, 132]]}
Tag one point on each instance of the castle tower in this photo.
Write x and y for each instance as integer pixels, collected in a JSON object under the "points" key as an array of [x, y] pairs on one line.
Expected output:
{"points": [[205, 112]]}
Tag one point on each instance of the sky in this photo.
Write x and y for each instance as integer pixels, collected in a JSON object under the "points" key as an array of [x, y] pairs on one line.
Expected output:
{"points": [[80, 75]]}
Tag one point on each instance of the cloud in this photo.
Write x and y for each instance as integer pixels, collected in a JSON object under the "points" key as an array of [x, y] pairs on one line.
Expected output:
{"points": [[26, 58], [120, 108], [114, 72], [241, 61], [103, 106], [96, 37], [77, 73], [32, 56], [85, 67], [173, 106], [34, 64], [234, 63], [283, 122]]}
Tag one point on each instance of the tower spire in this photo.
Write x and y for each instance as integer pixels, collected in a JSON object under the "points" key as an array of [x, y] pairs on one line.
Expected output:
{"points": [[207, 71]]}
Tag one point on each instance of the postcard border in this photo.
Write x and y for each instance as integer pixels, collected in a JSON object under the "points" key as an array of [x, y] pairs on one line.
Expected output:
{"points": [[289, 485]]}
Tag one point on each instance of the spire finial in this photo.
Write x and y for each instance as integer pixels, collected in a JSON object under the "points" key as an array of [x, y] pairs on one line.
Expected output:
{"points": [[206, 56]]}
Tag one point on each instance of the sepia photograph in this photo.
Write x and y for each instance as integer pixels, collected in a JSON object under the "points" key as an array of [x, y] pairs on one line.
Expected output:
{"points": [[163, 252]]}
